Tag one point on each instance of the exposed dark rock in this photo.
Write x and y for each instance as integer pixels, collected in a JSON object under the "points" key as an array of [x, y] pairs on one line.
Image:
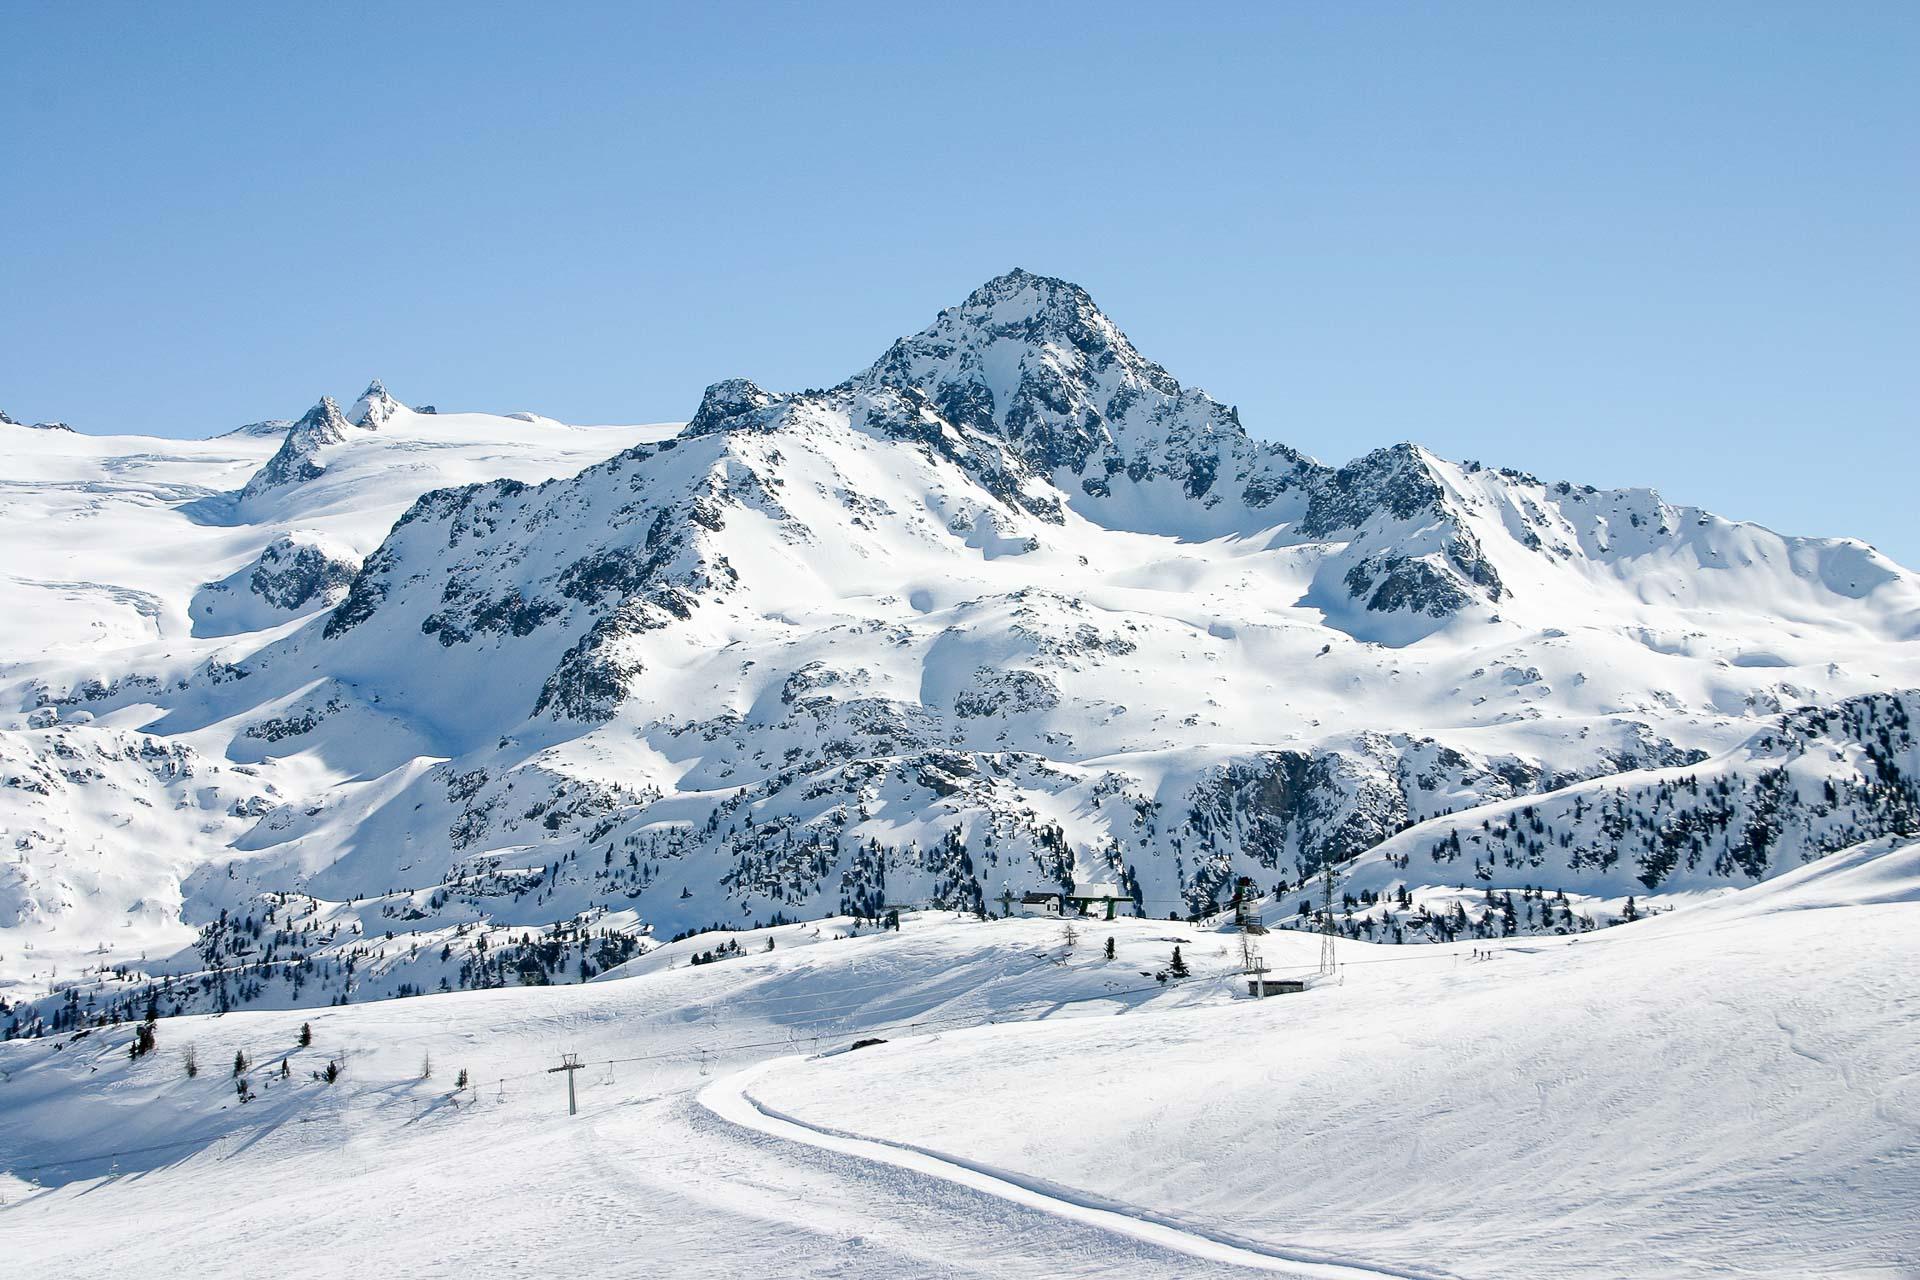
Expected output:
{"points": [[290, 575]]}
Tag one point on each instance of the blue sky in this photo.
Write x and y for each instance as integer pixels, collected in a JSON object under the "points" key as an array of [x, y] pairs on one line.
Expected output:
{"points": [[1618, 244]]}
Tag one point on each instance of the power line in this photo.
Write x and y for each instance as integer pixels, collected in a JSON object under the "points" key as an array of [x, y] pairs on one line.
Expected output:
{"points": [[1419, 955], [572, 1062], [569, 1063]]}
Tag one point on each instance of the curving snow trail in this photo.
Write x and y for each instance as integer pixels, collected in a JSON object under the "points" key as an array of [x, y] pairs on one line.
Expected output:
{"points": [[729, 1099]]}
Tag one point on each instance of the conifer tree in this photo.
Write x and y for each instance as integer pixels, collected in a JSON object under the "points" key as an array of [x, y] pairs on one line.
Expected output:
{"points": [[1178, 968]]}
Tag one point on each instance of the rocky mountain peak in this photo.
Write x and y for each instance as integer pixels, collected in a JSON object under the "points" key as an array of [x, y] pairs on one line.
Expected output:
{"points": [[1020, 295], [294, 461], [322, 424], [374, 407], [1018, 332], [1398, 481], [1033, 390], [734, 403], [1032, 361]]}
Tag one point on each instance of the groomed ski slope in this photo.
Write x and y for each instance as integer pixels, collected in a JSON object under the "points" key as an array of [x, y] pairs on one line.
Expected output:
{"points": [[1732, 1090], [731, 1101]]}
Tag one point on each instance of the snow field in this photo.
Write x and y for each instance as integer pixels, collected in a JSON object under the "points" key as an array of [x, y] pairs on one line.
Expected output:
{"points": [[1728, 1091], [1733, 1089]]}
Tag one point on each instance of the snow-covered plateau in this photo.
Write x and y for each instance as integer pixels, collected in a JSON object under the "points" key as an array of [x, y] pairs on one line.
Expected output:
{"points": [[466, 740]]}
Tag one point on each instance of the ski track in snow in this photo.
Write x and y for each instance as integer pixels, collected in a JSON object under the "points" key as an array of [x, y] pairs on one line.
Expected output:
{"points": [[730, 1099], [1426, 1116]]}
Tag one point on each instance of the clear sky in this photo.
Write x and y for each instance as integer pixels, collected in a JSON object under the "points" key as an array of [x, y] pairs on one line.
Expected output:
{"points": [[1620, 244]]}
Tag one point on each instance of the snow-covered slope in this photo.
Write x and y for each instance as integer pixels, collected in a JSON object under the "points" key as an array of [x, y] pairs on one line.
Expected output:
{"points": [[1728, 1093], [126, 565], [1616, 847], [108, 538], [1725, 1092], [1009, 609]]}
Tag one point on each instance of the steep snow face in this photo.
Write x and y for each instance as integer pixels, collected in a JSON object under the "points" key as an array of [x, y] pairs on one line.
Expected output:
{"points": [[568, 574], [1410, 562], [1008, 609]]}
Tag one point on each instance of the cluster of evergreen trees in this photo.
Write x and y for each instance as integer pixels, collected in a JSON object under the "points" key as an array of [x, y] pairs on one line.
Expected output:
{"points": [[251, 958]]}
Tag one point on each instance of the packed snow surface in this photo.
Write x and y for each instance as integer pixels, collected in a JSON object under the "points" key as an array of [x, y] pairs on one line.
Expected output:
{"points": [[1728, 1091]]}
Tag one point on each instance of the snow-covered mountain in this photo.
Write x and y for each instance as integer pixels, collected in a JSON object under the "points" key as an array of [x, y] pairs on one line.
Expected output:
{"points": [[1009, 609]]}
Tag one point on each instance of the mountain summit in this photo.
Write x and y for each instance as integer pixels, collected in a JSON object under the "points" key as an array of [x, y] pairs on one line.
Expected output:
{"points": [[1043, 400], [297, 458], [1032, 360], [374, 407]]}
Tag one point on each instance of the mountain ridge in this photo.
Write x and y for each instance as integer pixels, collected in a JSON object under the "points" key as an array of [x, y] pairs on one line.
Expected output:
{"points": [[1009, 606]]}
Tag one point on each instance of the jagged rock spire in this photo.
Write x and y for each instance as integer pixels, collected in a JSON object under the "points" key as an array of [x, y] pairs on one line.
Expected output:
{"points": [[733, 403], [322, 424], [374, 407], [1031, 360], [294, 462]]}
